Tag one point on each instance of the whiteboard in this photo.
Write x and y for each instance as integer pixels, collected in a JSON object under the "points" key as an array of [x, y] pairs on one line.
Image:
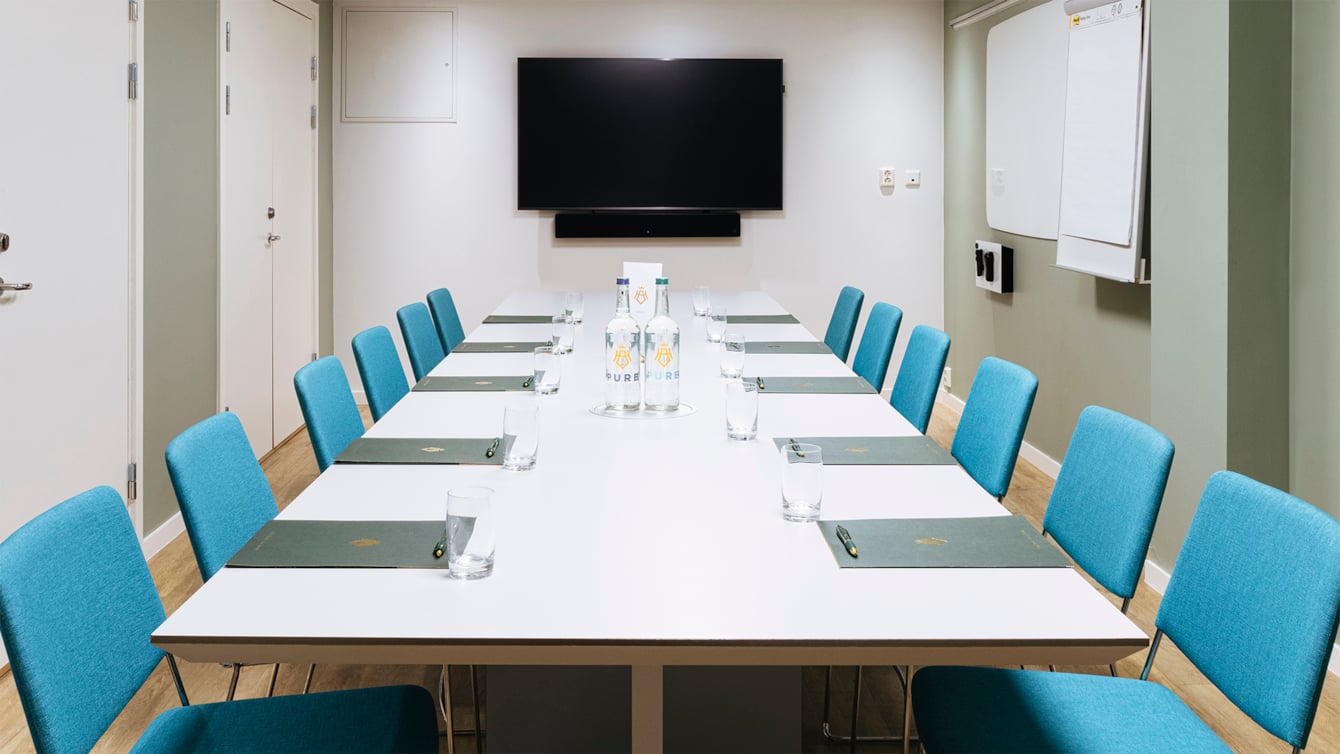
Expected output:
{"points": [[1025, 120], [1106, 139]]}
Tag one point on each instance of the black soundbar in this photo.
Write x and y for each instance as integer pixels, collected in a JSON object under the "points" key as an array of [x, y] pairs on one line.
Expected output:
{"points": [[646, 224]]}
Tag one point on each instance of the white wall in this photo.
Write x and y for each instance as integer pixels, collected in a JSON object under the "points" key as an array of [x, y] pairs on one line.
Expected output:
{"points": [[417, 206]]}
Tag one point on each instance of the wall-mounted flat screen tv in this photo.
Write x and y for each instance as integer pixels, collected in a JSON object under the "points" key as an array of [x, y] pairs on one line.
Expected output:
{"points": [[649, 134]]}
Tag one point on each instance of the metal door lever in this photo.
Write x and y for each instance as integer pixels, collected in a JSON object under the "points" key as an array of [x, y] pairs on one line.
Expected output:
{"points": [[14, 286], [271, 238]]}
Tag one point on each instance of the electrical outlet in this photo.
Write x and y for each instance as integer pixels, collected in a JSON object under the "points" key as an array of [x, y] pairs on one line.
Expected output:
{"points": [[948, 379], [886, 177]]}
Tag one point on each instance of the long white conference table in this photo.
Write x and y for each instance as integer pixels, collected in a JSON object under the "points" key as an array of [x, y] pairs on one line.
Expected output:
{"points": [[648, 543]]}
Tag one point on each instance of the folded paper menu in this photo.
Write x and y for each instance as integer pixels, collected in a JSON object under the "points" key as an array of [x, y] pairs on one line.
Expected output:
{"points": [[343, 544]]}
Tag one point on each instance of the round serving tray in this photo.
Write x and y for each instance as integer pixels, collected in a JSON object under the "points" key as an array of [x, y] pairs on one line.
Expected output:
{"points": [[642, 413]]}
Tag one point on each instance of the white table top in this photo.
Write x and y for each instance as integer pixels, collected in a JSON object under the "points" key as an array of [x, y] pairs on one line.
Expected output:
{"points": [[638, 542]]}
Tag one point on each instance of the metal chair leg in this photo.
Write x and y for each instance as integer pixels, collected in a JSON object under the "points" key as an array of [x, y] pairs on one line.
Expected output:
{"points": [[474, 692], [853, 739], [307, 686], [274, 676], [232, 684], [444, 706]]}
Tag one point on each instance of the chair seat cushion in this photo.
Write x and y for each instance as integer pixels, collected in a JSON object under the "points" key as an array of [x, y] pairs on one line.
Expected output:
{"points": [[960, 709], [385, 719]]}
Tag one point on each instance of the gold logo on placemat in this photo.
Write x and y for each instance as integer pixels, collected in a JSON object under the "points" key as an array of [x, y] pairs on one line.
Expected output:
{"points": [[858, 450], [932, 541], [432, 450], [365, 542], [806, 384], [483, 382]]}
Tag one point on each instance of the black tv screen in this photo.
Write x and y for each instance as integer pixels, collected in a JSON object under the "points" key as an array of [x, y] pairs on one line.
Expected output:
{"points": [[649, 134]]}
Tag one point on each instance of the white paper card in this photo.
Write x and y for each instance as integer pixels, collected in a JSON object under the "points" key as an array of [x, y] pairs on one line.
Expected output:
{"points": [[642, 289]]}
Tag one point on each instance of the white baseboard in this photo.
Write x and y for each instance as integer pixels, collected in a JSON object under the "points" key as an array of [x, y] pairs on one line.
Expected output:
{"points": [[163, 535], [1155, 576]]}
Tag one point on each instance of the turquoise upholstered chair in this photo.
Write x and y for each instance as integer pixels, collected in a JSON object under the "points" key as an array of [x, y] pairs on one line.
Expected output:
{"points": [[224, 498], [77, 606], [449, 330], [918, 377], [842, 325], [328, 408], [379, 368], [991, 428], [1253, 602], [1107, 498], [872, 356], [421, 341]]}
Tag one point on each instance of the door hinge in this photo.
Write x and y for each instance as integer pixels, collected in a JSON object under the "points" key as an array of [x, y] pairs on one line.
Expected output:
{"points": [[134, 10], [314, 68], [133, 74], [227, 100], [313, 116], [132, 481], [313, 357], [228, 36]]}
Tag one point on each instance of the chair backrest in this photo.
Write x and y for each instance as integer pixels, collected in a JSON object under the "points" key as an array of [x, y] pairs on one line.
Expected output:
{"points": [[1254, 600], [991, 428], [77, 605], [1107, 496], [449, 330], [918, 377], [872, 356], [222, 491], [379, 367], [328, 408], [842, 325], [421, 341]]}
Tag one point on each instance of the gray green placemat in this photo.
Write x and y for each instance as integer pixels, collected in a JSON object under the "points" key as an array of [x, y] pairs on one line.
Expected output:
{"points": [[518, 319], [785, 346], [909, 450], [453, 450], [988, 542], [343, 544], [761, 319], [489, 347], [476, 384], [828, 385]]}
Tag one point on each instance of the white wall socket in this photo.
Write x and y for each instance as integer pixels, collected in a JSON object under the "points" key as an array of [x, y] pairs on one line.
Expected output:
{"points": [[913, 177], [948, 379], [886, 177]]}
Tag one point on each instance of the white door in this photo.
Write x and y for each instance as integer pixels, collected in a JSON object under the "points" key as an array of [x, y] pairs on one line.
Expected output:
{"points": [[268, 245], [66, 206]]}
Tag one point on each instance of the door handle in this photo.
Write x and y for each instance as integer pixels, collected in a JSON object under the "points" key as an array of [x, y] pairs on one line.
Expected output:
{"points": [[4, 242], [14, 286], [271, 238]]}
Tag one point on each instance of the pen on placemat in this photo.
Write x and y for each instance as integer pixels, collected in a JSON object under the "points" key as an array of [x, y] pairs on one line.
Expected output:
{"points": [[441, 546], [796, 447], [489, 453], [759, 380], [528, 381], [845, 537]]}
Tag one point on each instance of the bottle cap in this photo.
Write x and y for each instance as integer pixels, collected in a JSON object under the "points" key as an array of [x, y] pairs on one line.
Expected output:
{"points": [[621, 281], [663, 281]]}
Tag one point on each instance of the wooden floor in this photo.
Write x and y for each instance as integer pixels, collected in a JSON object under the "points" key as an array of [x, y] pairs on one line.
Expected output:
{"points": [[291, 468]]}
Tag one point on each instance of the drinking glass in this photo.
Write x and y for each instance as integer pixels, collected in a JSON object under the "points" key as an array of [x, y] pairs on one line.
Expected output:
{"points": [[702, 301], [521, 433], [716, 324], [732, 355], [741, 410], [802, 481], [546, 370], [563, 334], [573, 306], [469, 532]]}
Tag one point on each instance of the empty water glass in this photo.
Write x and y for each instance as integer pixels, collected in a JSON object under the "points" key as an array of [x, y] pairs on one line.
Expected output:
{"points": [[470, 532], [702, 301], [573, 306], [546, 370], [716, 324], [802, 481], [732, 355], [562, 334], [521, 433], [741, 410]]}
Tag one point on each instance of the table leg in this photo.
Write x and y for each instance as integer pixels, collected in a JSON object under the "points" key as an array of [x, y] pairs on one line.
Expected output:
{"points": [[648, 698], [907, 713]]}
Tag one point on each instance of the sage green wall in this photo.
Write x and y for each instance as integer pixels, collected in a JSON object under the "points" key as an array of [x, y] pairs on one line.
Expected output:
{"points": [[1216, 203], [180, 235], [1086, 339], [1315, 348]]}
